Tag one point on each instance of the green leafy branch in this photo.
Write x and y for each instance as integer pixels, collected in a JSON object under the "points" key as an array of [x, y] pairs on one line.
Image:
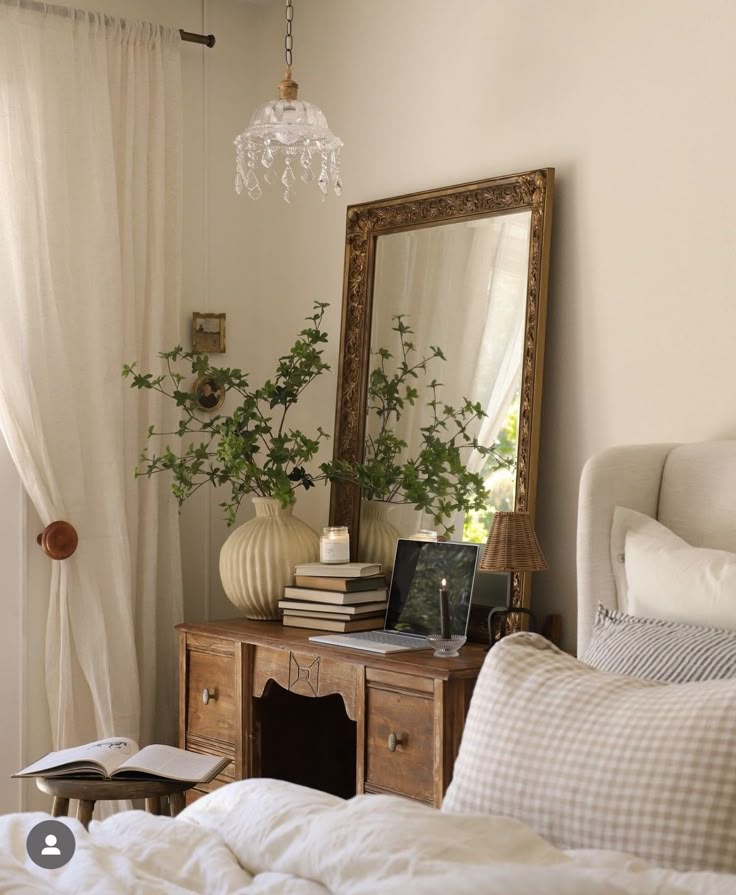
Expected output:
{"points": [[251, 450], [435, 479]]}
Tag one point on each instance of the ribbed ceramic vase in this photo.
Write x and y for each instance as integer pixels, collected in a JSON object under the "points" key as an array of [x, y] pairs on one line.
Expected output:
{"points": [[257, 560], [377, 540]]}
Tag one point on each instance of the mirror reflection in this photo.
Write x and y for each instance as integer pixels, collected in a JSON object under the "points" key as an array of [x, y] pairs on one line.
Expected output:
{"points": [[455, 294]]}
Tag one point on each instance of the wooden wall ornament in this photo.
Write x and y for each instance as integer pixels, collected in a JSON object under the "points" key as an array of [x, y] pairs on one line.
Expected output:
{"points": [[58, 540], [531, 190]]}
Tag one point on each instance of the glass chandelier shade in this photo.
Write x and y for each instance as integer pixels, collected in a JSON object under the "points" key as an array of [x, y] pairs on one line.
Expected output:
{"points": [[287, 138]]}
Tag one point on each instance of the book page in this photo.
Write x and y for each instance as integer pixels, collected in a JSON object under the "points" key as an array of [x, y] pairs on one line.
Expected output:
{"points": [[106, 755], [170, 762]]}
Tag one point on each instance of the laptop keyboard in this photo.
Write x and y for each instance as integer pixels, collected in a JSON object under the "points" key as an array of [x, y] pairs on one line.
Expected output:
{"points": [[387, 637]]}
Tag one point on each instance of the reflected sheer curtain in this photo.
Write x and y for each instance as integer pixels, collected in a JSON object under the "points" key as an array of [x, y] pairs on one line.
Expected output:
{"points": [[90, 233], [463, 287]]}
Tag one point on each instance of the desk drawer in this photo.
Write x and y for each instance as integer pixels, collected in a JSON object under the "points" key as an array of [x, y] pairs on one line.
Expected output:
{"points": [[216, 717], [399, 743]]}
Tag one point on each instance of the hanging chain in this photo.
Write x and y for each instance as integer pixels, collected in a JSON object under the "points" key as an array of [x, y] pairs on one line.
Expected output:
{"points": [[288, 40]]}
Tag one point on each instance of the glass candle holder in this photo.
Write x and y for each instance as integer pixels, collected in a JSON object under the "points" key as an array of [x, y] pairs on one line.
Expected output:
{"points": [[446, 647], [334, 544]]}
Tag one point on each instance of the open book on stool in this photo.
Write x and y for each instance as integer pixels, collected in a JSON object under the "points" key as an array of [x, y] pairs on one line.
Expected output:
{"points": [[119, 758]]}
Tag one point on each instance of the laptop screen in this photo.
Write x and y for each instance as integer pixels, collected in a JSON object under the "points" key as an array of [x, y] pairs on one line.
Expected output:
{"points": [[419, 567]]}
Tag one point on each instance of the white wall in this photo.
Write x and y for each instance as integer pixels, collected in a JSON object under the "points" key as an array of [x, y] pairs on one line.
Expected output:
{"points": [[631, 102]]}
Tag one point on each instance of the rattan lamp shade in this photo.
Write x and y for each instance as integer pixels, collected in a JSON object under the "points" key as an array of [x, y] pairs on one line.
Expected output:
{"points": [[512, 545]]}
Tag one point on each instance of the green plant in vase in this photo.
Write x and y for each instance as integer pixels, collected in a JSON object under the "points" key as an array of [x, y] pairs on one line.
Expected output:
{"points": [[433, 476], [251, 451]]}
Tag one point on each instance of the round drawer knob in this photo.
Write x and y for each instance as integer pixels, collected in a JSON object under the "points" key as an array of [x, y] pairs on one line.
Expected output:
{"points": [[208, 694], [393, 742]]}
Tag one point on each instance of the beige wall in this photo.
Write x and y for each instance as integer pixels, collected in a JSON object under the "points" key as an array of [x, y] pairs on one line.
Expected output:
{"points": [[631, 102]]}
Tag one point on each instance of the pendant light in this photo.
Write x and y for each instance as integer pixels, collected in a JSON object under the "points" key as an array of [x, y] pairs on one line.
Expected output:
{"points": [[287, 138]]}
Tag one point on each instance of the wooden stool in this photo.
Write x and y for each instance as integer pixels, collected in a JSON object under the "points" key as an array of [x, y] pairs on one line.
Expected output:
{"points": [[89, 791]]}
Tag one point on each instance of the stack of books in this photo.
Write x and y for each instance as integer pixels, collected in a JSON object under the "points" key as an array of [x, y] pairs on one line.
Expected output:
{"points": [[336, 597]]}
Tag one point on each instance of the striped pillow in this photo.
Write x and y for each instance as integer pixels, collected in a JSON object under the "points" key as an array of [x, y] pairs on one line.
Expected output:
{"points": [[657, 650], [589, 759]]}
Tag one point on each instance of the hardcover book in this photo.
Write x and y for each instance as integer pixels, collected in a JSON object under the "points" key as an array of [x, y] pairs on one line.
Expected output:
{"points": [[119, 758], [297, 613], [336, 598], [339, 570], [326, 624], [304, 606], [378, 582]]}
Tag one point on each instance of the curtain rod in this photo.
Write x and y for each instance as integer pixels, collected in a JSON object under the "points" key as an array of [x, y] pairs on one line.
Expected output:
{"points": [[207, 39]]}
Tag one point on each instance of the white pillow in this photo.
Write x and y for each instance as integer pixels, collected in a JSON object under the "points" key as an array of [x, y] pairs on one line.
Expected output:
{"points": [[658, 575], [590, 759]]}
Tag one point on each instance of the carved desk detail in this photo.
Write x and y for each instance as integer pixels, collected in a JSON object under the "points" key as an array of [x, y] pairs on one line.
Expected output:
{"points": [[304, 676], [407, 710]]}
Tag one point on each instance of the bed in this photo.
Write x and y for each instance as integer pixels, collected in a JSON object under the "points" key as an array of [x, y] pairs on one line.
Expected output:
{"points": [[551, 745]]}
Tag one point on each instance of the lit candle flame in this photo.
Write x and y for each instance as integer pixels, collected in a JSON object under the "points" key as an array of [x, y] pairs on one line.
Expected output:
{"points": [[444, 583]]}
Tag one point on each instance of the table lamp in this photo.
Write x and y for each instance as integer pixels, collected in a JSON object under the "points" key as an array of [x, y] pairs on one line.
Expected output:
{"points": [[512, 546]]}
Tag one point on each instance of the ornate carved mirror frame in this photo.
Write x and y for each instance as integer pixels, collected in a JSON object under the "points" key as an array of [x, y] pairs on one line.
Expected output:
{"points": [[531, 190]]}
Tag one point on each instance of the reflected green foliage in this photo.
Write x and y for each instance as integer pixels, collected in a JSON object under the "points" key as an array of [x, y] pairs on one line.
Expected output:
{"points": [[500, 483], [250, 450], [433, 479]]}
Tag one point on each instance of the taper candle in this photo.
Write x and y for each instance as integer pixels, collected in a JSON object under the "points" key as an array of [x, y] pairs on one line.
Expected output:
{"points": [[445, 629]]}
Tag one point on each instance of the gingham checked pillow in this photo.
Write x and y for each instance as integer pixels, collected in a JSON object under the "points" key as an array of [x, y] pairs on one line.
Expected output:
{"points": [[590, 759]]}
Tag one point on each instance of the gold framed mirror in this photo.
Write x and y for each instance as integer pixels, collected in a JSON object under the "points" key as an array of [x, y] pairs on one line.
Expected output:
{"points": [[466, 269]]}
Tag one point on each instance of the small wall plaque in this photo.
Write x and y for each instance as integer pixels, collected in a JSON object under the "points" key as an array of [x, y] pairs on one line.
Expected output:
{"points": [[209, 392], [208, 333]]}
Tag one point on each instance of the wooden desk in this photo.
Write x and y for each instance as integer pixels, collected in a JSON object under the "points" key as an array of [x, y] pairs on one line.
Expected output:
{"points": [[389, 723]]}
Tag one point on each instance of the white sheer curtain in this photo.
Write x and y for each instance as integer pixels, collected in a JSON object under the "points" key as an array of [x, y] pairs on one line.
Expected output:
{"points": [[90, 224], [463, 287]]}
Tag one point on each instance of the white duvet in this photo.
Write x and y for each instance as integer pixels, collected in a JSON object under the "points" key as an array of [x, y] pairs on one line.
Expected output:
{"points": [[263, 837]]}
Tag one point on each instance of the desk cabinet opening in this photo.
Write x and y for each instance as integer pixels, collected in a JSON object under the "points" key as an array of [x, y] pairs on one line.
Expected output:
{"points": [[306, 740]]}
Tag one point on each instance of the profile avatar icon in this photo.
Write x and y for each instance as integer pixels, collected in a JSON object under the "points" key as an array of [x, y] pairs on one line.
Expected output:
{"points": [[50, 844], [51, 848]]}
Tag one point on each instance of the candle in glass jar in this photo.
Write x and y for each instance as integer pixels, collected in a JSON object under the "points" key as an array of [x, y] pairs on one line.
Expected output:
{"points": [[424, 535], [334, 545], [445, 629]]}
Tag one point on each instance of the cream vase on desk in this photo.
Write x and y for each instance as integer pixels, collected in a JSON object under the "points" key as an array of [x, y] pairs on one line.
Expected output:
{"points": [[257, 560], [377, 541]]}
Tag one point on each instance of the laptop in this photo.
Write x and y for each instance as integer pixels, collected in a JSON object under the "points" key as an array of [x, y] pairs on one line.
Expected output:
{"points": [[413, 609]]}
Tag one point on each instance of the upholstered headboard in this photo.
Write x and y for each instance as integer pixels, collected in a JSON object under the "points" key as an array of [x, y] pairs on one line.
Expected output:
{"points": [[690, 488]]}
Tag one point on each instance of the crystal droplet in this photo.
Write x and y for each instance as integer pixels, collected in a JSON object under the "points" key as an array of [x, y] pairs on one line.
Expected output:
{"points": [[251, 180], [287, 178], [267, 157], [323, 180], [305, 159], [270, 176], [288, 195], [239, 169], [255, 193], [308, 175], [338, 186]]}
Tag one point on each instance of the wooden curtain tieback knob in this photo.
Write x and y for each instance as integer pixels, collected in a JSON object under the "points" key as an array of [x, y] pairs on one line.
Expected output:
{"points": [[393, 742], [208, 694], [58, 540]]}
